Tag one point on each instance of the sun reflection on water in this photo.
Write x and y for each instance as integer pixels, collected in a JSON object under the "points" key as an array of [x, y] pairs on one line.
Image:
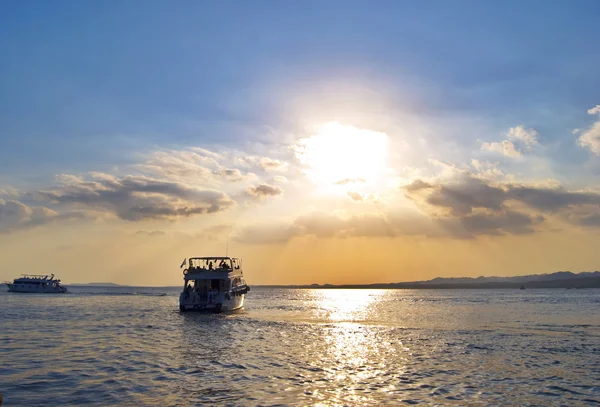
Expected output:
{"points": [[354, 356], [346, 305]]}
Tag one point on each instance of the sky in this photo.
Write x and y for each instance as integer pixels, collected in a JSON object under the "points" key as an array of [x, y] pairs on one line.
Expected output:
{"points": [[322, 142]]}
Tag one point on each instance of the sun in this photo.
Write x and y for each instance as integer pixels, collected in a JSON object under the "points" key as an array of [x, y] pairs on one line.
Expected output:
{"points": [[341, 155]]}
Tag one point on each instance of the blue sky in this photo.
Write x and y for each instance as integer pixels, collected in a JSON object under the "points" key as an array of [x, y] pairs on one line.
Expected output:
{"points": [[212, 101], [85, 82]]}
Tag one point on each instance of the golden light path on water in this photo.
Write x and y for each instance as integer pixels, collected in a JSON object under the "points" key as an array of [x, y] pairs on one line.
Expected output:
{"points": [[299, 347], [355, 354], [339, 305]]}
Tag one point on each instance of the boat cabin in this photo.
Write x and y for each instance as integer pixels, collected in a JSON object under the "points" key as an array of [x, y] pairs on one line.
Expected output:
{"points": [[212, 274], [212, 282]]}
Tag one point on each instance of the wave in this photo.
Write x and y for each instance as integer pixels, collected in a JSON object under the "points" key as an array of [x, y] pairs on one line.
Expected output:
{"points": [[116, 294]]}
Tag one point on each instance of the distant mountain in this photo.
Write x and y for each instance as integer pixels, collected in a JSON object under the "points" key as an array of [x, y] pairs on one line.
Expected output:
{"points": [[559, 275], [560, 279], [97, 284]]}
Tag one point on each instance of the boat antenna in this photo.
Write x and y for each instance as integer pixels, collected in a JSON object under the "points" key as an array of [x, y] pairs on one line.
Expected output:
{"points": [[227, 247]]}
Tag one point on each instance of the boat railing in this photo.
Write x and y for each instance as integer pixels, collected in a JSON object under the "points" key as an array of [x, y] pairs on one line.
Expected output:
{"points": [[195, 270], [38, 276]]}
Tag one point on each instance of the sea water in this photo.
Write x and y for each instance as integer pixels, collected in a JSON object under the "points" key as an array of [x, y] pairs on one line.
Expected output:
{"points": [[328, 347]]}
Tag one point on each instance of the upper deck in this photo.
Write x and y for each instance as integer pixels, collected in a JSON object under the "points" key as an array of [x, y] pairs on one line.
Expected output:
{"points": [[212, 267], [36, 278]]}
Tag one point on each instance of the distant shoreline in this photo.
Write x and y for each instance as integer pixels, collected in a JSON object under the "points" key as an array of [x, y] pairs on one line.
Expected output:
{"points": [[595, 283], [566, 280], [561, 279]]}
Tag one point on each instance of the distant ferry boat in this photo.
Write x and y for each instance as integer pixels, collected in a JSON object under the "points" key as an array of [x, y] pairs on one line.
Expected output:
{"points": [[36, 284], [213, 284]]}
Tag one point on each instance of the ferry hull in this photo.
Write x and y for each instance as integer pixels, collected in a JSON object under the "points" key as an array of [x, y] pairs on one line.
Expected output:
{"points": [[18, 288]]}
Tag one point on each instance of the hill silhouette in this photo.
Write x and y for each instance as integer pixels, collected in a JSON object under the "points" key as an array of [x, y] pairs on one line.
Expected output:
{"points": [[559, 279]]}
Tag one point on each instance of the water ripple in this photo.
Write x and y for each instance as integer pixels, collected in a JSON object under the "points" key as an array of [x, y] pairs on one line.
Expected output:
{"points": [[302, 347]]}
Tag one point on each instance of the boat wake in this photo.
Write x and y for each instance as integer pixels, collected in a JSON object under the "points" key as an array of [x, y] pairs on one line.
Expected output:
{"points": [[118, 294]]}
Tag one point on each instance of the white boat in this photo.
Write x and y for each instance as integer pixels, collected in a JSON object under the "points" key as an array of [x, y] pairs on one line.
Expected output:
{"points": [[32, 283], [213, 284]]}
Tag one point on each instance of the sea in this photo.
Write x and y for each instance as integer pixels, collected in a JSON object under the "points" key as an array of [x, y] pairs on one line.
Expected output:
{"points": [[130, 346]]}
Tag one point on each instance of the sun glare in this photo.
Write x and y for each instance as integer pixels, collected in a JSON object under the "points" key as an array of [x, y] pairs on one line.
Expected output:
{"points": [[340, 154]]}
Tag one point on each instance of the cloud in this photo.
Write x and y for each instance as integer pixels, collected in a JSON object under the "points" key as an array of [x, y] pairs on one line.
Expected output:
{"points": [[176, 184], [346, 181], [17, 215], [270, 164], [467, 193], [505, 147], [356, 196], [216, 232], [361, 197], [9, 192], [594, 110], [484, 207], [588, 217], [512, 222], [460, 196], [324, 225], [590, 138], [550, 199], [264, 191], [487, 170], [274, 233], [136, 198], [199, 165], [231, 174], [177, 164], [417, 185], [153, 233], [526, 136]]}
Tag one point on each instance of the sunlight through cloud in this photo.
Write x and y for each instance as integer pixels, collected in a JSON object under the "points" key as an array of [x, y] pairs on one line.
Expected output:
{"points": [[342, 155]]}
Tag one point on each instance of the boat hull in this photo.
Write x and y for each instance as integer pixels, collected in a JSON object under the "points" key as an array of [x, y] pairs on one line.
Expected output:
{"points": [[35, 289], [224, 303]]}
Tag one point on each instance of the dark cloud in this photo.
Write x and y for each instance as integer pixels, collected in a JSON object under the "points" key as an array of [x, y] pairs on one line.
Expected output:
{"points": [[264, 190], [551, 199], [137, 198], [460, 196], [483, 207], [589, 220], [511, 222], [463, 195]]}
